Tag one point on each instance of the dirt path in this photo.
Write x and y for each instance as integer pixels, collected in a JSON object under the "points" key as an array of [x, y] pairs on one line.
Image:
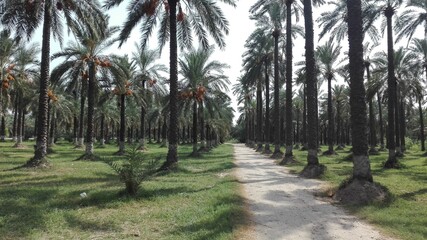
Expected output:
{"points": [[283, 205]]}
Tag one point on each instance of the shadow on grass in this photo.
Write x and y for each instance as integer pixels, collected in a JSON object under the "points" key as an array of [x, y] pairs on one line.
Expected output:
{"points": [[23, 211], [411, 195], [229, 217], [91, 226]]}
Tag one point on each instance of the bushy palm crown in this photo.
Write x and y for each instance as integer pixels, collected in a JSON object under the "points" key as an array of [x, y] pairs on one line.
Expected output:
{"points": [[335, 23], [24, 17], [195, 17], [200, 73]]}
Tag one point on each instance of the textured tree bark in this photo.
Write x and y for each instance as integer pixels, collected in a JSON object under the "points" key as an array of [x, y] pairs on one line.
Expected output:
{"points": [[277, 153], [361, 165], [259, 115], [172, 157], [391, 82], [289, 156], [267, 149], [90, 111], [39, 158], [313, 169]]}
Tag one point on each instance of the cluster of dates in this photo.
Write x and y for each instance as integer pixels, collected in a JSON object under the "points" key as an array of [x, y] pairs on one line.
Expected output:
{"points": [[8, 77], [198, 94], [51, 95], [127, 89]]}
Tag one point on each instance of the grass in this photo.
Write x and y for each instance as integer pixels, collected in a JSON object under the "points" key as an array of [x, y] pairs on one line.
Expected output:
{"points": [[405, 216], [200, 200]]}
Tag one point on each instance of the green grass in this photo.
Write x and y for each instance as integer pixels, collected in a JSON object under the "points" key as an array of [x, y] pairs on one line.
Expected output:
{"points": [[200, 200], [405, 216]]}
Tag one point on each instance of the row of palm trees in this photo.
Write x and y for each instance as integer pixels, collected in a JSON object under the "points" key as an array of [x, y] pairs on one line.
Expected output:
{"points": [[392, 77], [179, 20]]}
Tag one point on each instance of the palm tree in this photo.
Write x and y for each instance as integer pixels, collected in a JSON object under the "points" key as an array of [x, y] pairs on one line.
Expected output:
{"points": [[313, 168], [24, 17], [327, 56], [270, 15], [147, 74], [84, 58], [203, 79], [419, 49], [389, 9], [334, 21], [203, 19], [122, 74], [24, 73], [256, 63], [361, 177], [7, 47]]}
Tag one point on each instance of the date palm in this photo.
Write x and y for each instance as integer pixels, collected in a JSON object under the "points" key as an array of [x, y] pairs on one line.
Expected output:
{"points": [[327, 56], [255, 64], [7, 47], [313, 168], [177, 20], [202, 80], [147, 74], [270, 16], [23, 17], [334, 21], [419, 49], [24, 72], [79, 70], [361, 164], [388, 8], [123, 76]]}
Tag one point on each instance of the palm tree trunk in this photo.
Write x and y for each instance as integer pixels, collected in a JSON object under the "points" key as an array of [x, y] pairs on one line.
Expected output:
{"points": [[372, 132], [102, 130], [399, 152], [172, 157], [202, 128], [142, 129], [402, 126], [2, 128], [331, 124], [159, 130], [259, 115], [380, 113], [361, 164], [313, 168], [15, 120], [391, 82], [41, 142], [82, 112], [289, 156], [18, 120], [164, 133], [194, 128], [277, 153], [420, 110], [90, 110], [122, 125], [52, 129], [304, 120], [267, 109]]}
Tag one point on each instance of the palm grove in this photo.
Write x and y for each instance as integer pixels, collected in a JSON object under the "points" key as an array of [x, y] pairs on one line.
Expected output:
{"points": [[93, 96], [379, 107]]}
